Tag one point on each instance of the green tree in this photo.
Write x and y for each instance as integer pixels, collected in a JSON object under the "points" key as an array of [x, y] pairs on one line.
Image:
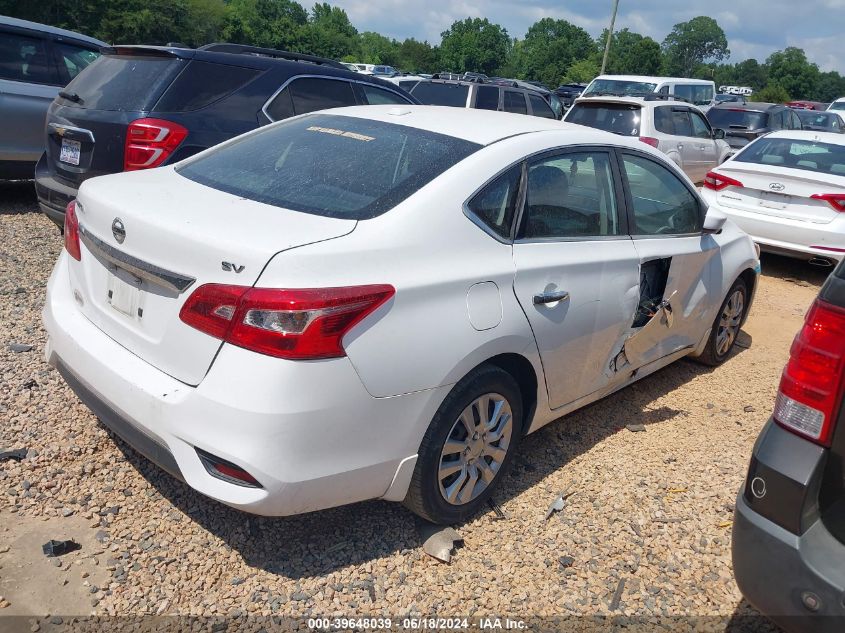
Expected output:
{"points": [[831, 85], [330, 33], [772, 93], [695, 42], [420, 57], [551, 47], [583, 71], [751, 73], [268, 23], [794, 73], [378, 49], [474, 44], [631, 54]]}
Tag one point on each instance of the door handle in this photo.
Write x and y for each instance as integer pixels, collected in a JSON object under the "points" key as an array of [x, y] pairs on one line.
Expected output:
{"points": [[680, 146], [550, 297]]}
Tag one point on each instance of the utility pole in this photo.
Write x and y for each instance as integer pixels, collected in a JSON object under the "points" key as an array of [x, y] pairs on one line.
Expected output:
{"points": [[609, 36]]}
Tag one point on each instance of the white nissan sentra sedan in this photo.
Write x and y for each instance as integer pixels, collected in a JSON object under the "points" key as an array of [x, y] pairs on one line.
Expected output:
{"points": [[787, 190], [380, 302]]}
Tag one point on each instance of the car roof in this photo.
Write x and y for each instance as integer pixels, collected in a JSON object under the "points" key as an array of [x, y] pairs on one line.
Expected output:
{"points": [[834, 138], [755, 106], [654, 79], [476, 126], [50, 30]]}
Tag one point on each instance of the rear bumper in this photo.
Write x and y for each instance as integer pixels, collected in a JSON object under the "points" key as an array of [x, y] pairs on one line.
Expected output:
{"points": [[53, 196], [782, 551], [308, 432], [791, 237]]}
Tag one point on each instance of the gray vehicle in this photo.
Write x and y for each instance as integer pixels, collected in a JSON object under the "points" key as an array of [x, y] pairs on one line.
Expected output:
{"points": [[677, 128], [788, 544], [744, 123], [482, 96], [36, 61]]}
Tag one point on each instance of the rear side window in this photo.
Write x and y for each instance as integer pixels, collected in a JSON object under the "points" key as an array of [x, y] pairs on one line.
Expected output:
{"points": [[495, 205], [663, 120], [201, 84], [680, 119], [570, 196], [74, 59], [311, 93], [23, 59], [123, 82], [619, 118], [487, 98], [697, 94], [380, 96], [515, 102], [431, 93], [539, 107], [329, 165], [826, 158]]}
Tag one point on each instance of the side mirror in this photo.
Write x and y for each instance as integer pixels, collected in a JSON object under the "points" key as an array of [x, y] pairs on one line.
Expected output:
{"points": [[714, 222], [718, 133]]}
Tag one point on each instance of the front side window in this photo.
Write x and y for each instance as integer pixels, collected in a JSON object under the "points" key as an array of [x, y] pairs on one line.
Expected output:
{"points": [[329, 165], [699, 126], [23, 59], [515, 102], [570, 195], [495, 205], [662, 205], [540, 108]]}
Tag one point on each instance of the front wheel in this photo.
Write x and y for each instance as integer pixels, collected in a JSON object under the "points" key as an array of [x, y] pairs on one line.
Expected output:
{"points": [[467, 448], [726, 326]]}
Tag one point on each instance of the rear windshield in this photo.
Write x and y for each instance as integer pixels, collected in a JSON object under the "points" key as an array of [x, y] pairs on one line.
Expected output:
{"points": [[825, 158], [431, 93], [122, 82], [619, 118], [620, 87], [728, 119], [330, 165]]}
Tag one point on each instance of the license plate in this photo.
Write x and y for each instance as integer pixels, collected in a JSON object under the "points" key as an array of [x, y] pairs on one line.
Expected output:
{"points": [[70, 151], [122, 296], [772, 200]]}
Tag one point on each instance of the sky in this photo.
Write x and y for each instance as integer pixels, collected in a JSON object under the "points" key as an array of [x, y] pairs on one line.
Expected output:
{"points": [[754, 28]]}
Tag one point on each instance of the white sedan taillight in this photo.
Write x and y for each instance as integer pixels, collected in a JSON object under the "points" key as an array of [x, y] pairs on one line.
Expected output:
{"points": [[301, 324]]}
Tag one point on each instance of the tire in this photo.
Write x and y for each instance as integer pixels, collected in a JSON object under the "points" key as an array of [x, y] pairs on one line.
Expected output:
{"points": [[428, 491], [718, 349]]}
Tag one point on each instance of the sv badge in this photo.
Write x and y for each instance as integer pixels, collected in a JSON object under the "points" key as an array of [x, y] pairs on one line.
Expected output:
{"points": [[230, 267]]}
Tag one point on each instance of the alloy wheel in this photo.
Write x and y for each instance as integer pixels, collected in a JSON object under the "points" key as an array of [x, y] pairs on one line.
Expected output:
{"points": [[730, 322]]}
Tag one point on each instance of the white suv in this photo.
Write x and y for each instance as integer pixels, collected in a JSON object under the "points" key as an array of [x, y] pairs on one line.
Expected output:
{"points": [[675, 127]]}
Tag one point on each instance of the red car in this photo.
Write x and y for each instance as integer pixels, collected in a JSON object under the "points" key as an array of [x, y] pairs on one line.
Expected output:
{"points": [[807, 105]]}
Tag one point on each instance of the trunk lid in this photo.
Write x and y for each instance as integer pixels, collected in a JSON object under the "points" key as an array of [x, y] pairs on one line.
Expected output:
{"points": [[178, 235], [780, 191]]}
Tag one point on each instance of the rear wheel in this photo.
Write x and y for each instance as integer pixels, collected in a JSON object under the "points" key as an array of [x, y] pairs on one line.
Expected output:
{"points": [[726, 326], [468, 447]]}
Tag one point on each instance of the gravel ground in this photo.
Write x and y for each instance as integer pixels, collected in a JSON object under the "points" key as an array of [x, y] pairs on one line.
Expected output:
{"points": [[652, 508]]}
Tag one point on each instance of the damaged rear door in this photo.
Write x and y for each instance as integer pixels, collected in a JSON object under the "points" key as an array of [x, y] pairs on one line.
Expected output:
{"points": [[576, 268], [675, 261]]}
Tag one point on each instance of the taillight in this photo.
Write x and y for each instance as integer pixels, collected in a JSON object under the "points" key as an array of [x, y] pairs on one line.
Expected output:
{"points": [[717, 182], [295, 324], [835, 200], [811, 385], [149, 142], [72, 231], [648, 140]]}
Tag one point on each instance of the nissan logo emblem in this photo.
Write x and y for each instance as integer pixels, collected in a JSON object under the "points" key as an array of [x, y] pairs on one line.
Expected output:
{"points": [[777, 186], [118, 230]]}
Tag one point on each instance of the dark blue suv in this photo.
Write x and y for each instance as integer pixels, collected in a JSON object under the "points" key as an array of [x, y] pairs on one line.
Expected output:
{"points": [[139, 107]]}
